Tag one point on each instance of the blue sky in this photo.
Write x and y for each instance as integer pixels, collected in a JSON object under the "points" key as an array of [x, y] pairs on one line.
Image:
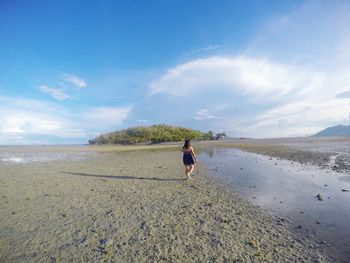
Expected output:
{"points": [[70, 70]]}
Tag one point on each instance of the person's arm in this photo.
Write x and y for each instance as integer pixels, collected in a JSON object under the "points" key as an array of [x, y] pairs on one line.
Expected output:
{"points": [[194, 155]]}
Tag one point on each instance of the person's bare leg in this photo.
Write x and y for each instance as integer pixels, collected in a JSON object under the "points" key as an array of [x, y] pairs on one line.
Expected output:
{"points": [[191, 169], [187, 171]]}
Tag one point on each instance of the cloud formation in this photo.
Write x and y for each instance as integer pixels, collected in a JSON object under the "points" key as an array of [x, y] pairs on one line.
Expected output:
{"points": [[292, 79], [74, 80], [257, 97], [55, 93], [24, 119], [257, 76], [107, 116], [204, 114]]}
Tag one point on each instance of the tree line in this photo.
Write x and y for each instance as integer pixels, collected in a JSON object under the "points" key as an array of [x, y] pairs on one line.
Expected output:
{"points": [[154, 134]]}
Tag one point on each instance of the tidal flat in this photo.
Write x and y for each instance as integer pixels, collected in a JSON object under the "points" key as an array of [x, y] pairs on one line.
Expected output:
{"points": [[125, 204]]}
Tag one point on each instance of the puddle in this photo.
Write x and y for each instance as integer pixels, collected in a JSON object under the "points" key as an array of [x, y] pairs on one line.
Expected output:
{"points": [[288, 190]]}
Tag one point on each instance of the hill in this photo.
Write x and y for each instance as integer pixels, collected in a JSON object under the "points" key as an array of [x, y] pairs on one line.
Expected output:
{"points": [[335, 131], [151, 134]]}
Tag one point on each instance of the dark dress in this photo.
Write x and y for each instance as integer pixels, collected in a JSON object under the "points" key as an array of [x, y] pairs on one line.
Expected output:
{"points": [[188, 158]]}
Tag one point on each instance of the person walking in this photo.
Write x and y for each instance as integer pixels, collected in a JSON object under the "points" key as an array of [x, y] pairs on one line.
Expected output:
{"points": [[189, 158]]}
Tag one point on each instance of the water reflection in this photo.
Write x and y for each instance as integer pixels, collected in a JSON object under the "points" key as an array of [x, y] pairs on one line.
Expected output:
{"points": [[26, 158], [287, 190]]}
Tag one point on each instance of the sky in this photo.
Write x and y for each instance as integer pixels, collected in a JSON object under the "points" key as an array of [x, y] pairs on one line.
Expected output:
{"points": [[70, 70]]}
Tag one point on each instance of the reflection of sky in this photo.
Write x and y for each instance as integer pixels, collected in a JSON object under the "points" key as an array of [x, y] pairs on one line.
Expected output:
{"points": [[286, 189], [24, 158]]}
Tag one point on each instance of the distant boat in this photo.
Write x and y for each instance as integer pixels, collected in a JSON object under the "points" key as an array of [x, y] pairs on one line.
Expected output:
{"points": [[335, 131]]}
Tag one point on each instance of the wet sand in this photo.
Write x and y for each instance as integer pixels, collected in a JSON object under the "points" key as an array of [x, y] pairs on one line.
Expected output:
{"points": [[331, 153], [288, 191], [133, 206]]}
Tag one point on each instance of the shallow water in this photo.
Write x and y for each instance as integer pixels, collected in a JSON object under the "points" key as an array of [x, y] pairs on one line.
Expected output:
{"points": [[288, 191], [15, 158]]}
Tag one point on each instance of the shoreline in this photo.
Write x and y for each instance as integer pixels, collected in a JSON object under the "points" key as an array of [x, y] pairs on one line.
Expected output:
{"points": [[328, 153], [134, 206], [287, 191]]}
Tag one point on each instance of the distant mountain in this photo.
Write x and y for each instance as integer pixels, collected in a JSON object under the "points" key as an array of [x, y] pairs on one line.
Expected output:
{"points": [[335, 131]]}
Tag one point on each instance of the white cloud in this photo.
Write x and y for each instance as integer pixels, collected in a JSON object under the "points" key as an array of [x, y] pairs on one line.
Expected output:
{"points": [[18, 121], [256, 96], [297, 119], [107, 116], [257, 76], [204, 114], [23, 119], [74, 80], [55, 93], [18, 102]]}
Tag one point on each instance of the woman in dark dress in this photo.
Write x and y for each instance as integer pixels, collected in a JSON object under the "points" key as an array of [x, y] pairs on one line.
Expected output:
{"points": [[189, 158]]}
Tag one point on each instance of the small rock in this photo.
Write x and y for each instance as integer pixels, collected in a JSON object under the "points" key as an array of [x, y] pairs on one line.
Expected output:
{"points": [[301, 212], [318, 222], [299, 227], [344, 190], [102, 242], [253, 243], [325, 185], [319, 197], [143, 225]]}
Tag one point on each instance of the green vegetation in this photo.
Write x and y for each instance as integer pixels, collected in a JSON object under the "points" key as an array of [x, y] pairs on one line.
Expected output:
{"points": [[151, 134]]}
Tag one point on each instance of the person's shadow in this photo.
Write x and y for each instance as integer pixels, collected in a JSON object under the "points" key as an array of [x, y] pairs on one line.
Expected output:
{"points": [[125, 177]]}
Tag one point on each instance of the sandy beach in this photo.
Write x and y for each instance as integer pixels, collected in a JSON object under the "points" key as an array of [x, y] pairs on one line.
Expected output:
{"points": [[133, 206]]}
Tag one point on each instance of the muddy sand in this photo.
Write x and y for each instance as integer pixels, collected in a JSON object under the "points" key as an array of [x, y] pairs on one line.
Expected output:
{"points": [[133, 206]]}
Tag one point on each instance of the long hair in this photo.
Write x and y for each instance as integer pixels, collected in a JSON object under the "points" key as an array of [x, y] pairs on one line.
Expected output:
{"points": [[187, 144]]}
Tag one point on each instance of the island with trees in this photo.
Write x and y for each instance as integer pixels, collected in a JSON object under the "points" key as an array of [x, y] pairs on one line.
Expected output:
{"points": [[154, 134]]}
